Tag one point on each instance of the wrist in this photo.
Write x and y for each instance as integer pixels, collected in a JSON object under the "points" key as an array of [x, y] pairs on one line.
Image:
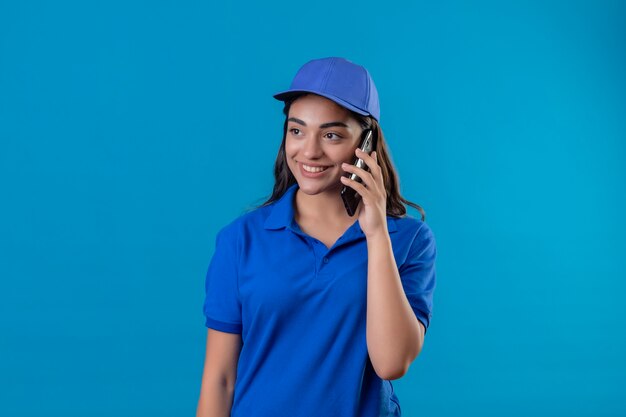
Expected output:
{"points": [[379, 237]]}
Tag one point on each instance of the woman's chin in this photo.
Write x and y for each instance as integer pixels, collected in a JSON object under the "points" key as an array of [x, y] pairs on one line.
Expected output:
{"points": [[312, 187]]}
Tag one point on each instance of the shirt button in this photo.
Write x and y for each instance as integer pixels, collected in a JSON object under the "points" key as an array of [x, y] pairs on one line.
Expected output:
{"points": [[325, 260]]}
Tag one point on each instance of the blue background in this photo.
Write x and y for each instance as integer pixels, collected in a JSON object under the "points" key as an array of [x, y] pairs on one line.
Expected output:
{"points": [[130, 132]]}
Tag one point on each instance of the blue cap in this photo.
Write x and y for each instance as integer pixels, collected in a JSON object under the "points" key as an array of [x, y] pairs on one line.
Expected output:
{"points": [[342, 81]]}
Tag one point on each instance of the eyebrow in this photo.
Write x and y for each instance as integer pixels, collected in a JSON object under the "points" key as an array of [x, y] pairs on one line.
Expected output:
{"points": [[322, 126]]}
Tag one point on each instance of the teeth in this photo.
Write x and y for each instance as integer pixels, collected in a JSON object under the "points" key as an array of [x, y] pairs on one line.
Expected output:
{"points": [[313, 169]]}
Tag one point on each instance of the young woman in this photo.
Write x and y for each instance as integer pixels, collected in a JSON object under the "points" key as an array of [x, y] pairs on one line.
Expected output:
{"points": [[311, 311]]}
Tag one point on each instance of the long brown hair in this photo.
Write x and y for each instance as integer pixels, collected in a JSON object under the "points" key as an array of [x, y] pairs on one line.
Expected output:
{"points": [[395, 202]]}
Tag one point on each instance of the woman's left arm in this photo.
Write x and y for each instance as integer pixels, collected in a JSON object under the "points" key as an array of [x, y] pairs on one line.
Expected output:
{"points": [[394, 334]]}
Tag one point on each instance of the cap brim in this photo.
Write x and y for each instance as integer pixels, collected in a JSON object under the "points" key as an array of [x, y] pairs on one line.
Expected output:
{"points": [[285, 95]]}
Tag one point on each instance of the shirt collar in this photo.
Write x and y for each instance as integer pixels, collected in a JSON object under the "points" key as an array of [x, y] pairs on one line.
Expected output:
{"points": [[282, 213]]}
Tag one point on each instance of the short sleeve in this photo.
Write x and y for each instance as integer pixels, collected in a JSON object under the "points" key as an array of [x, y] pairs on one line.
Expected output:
{"points": [[222, 306], [417, 274]]}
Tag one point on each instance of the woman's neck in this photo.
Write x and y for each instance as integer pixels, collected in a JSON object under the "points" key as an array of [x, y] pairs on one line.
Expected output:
{"points": [[326, 207]]}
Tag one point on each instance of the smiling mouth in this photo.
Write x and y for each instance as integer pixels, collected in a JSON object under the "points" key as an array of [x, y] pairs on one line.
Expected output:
{"points": [[314, 169]]}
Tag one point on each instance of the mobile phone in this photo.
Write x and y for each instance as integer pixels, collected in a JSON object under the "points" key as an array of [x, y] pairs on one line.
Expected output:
{"points": [[349, 195]]}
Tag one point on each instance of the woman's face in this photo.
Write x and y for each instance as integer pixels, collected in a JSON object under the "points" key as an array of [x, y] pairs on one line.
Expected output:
{"points": [[321, 135]]}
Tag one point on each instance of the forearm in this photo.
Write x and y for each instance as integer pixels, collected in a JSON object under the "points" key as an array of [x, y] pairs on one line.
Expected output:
{"points": [[394, 335], [216, 399]]}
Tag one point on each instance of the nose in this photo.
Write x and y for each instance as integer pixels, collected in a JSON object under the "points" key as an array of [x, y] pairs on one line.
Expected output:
{"points": [[312, 148]]}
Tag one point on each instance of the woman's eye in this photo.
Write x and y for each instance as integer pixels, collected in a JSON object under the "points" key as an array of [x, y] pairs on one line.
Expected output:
{"points": [[337, 137], [294, 130]]}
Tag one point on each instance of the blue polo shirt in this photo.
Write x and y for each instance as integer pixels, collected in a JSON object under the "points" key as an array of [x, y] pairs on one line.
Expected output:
{"points": [[300, 308]]}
